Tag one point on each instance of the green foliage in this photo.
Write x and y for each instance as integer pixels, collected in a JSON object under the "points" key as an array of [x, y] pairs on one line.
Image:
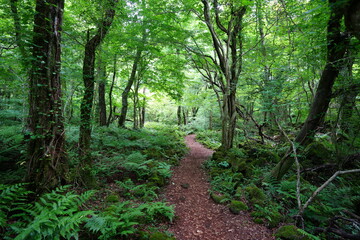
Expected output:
{"points": [[210, 138], [117, 220], [132, 191], [55, 215], [120, 219]]}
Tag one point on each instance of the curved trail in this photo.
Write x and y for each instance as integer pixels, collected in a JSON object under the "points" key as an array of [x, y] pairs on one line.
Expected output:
{"points": [[198, 217]]}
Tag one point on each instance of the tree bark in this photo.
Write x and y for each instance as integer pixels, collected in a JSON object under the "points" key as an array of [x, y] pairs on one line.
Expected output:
{"points": [[337, 46], [47, 159], [102, 101], [229, 55], [88, 79], [179, 115], [110, 92], [125, 94]]}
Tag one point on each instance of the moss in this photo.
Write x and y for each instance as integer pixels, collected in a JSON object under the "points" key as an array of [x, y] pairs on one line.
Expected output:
{"points": [[240, 165], [316, 153], [217, 198], [160, 236], [257, 214], [290, 232], [112, 198], [237, 206], [275, 219], [259, 220], [255, 195]]}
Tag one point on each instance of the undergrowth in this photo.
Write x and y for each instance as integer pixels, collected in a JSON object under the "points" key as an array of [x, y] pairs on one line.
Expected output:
{"points": [[131, 166], [240, 176]]}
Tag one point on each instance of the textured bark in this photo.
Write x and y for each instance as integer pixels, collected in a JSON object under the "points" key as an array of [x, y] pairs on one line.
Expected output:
{"points": [[47, 164], [337, 46], [88, 79]]}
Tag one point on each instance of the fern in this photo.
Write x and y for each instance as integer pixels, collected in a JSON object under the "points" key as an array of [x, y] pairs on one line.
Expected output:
{"points": [[157, 210], [55, 215], [12, 198], [117, 220]]}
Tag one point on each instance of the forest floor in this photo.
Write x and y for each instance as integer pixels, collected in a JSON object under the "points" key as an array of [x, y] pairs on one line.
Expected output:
{"points": [[198, 217]]}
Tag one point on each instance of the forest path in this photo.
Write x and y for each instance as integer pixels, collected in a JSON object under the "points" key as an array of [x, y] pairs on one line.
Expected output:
{"points": [[198, 217]]}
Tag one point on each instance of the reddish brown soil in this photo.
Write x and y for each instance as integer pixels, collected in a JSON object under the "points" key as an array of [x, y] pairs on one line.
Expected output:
{"points": [[198, 217]]}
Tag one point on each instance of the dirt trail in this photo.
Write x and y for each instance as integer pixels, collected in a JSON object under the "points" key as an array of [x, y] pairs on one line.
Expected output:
{"points": [[198, 217]]}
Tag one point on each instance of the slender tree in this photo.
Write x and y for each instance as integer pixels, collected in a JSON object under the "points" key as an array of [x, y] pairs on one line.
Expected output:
{"points": [[47, 164], [89, 83]]}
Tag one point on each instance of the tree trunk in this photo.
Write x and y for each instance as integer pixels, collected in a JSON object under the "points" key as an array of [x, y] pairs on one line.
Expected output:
{"points": [[102, 102], [88, 79], [110, 92], [228, 50], [179, 115], [337, 46], [125, 94], [47, 165], [228, 121]]}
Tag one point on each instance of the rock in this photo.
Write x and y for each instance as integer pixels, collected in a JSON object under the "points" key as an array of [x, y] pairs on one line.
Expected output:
{"points": [[255, 195], [112, 198], [217, 198], [290, 232], [237, 206], [185, 185]]}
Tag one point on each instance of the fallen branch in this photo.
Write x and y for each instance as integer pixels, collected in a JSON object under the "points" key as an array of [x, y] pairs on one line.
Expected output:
{"points": [[317, 191]]}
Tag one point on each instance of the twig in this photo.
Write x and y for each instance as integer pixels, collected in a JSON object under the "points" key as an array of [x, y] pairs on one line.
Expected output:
{"points": [[297, 169]]}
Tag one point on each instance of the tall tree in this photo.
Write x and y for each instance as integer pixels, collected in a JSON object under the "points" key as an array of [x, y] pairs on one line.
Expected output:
{"points": [[131, 80], [337, 45], [47, 164], [225, 28], [89, 82]]}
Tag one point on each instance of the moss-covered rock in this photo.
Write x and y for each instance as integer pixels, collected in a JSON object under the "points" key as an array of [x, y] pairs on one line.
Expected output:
{"points": [[259, 220], [217, 198], [316, 153], [275, 219], [112, 198], [290, 232], [160, 236], [237, 206], [255, 195]]}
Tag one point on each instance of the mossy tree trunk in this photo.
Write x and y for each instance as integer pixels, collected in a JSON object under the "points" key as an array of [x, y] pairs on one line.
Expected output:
{"points": [[89, 83], [47, 164], [337, 45]]}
